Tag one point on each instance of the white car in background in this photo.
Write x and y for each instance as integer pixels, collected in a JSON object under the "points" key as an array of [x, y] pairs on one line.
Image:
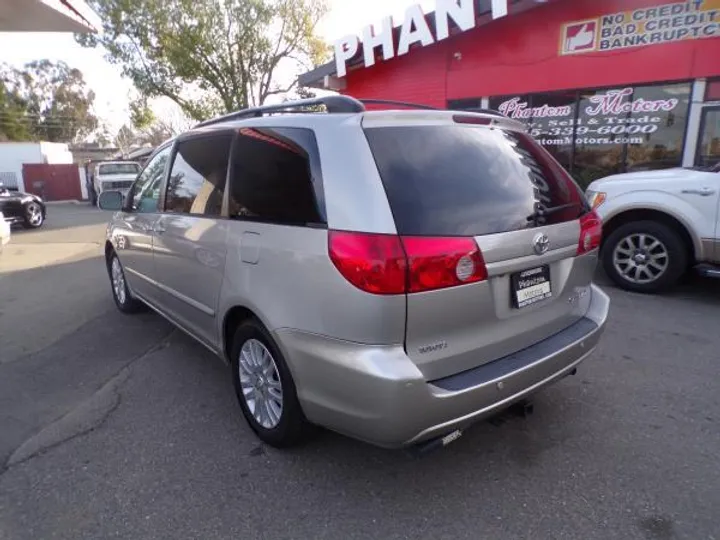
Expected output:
{"points": [[4, 232], [658, 224]]}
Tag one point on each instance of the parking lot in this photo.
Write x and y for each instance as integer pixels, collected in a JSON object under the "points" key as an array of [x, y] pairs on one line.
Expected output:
{"points": [[115, 426]]}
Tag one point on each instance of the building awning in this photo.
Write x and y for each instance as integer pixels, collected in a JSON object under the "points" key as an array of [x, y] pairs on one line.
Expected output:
{"points": [[48, 16], [325, 76]]}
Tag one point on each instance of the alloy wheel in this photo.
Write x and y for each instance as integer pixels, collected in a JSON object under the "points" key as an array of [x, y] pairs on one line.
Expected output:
{"points": [[260, 383], [118, 280], [34, 214], [640, 258]]}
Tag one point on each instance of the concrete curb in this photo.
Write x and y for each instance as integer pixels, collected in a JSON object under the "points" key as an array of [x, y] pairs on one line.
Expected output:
{"points": [[69, 201]]}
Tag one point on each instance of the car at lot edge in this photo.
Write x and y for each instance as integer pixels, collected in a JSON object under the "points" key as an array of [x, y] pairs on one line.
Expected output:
{"points": [[20, 208], [658, 224], [392, 275]]}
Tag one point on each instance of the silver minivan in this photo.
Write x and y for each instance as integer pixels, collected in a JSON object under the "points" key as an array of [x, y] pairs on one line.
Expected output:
{"points": [[393, 275]]}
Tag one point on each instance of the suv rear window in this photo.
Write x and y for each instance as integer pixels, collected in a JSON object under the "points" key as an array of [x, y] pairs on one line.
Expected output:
{"points": [[470, 180]]}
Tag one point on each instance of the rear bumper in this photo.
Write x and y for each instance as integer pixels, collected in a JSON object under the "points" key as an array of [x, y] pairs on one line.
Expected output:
{"points": [[377, 394]]}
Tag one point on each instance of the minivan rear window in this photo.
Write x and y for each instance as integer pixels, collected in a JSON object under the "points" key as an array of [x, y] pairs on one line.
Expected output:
{"points": [[464, 180]]}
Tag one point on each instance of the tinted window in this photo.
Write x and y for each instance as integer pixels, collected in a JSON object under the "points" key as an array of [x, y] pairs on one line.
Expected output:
{"points": [[119, 168], [146, 189], [276, 176], [461, 180], [197, 179]]}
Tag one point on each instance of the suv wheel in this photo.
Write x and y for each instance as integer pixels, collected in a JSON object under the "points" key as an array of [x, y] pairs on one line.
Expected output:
{"points": [[265, 388], [121, 293], [33, 215], [644, 256]]}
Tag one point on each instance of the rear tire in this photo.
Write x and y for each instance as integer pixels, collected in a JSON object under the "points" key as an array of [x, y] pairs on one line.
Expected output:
{"points": [[645, 256], [120, 290], [265, 388]]}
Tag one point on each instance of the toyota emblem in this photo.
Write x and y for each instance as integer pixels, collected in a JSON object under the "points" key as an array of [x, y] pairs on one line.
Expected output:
{"points": [[541, 243]]}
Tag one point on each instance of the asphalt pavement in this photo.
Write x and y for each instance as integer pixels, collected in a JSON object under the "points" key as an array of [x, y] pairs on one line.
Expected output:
{"points": [[115, 426]]}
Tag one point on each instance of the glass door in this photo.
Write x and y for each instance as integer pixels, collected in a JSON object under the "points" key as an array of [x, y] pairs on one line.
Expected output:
{"points": [[708, 150]]}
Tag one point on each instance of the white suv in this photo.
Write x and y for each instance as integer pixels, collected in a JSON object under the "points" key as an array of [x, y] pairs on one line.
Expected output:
{"points": [[658, 224]]}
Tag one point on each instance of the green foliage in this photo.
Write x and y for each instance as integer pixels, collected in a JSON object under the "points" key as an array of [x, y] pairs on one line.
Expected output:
{"points": [[210, 56], [45, 101], [141, 115]]}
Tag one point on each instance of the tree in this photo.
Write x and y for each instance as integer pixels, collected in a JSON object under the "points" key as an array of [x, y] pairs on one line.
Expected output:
{"points": [[45, 101], [210, 56], [12, 108], [125, 139], [141, 115]]}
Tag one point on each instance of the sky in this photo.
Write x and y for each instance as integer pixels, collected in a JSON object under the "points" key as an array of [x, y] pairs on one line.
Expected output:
{"points": [[112, 91]]}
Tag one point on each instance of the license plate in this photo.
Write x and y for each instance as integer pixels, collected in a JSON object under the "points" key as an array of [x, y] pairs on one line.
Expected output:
{"points": [[530, 286]]}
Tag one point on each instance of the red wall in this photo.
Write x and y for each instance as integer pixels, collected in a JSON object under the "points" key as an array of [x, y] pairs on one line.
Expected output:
{"points": [[417, 77], [52, 182], [520, 54]]}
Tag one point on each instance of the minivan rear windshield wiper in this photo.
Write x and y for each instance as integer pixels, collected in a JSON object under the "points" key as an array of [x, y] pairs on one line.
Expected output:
{"points": [[542, 212]]}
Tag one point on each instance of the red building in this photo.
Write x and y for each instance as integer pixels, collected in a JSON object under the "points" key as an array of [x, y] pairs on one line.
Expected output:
{"points": [[611, 86]]}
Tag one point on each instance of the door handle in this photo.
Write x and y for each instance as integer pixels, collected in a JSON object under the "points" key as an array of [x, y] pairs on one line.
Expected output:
{"points": [[703, 192], [159, 228]]}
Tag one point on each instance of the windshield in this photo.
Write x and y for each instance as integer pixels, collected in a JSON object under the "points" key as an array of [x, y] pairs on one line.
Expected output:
{"points": [[119, 168]]}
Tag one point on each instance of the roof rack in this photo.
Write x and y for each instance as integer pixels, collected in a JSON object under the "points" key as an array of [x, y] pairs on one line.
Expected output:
{"points": [[333, 104]]}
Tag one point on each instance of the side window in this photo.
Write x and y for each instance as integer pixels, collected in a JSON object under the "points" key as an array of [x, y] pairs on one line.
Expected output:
{"points": [[146, 189], [197, 179], [276, 177]]}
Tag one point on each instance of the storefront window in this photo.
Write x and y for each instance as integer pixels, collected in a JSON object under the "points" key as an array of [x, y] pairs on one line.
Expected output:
{"points": [[595, 133], [662, 129], [708, 154], [600, 138]]}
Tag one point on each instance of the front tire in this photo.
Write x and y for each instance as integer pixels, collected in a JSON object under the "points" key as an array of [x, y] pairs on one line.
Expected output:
{"points": [[645, 256], [34, 215], [120, 290], [265, 388]]}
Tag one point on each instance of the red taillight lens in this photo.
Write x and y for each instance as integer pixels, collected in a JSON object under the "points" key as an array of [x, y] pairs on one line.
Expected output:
{"points": [[436, 263], [590, 232], [387, 264], [374, 263]]}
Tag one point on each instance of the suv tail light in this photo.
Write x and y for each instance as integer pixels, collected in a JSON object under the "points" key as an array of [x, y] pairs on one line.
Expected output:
{"points": [[590, 232], [389, 264]]}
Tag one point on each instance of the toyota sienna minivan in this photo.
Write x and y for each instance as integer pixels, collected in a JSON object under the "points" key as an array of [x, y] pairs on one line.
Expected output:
{"points": [[392, 275]]}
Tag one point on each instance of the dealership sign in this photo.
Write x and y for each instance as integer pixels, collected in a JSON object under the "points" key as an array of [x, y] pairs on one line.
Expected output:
{"points": [[611, 117], [695, 19], [414, 30], [612, 102]]}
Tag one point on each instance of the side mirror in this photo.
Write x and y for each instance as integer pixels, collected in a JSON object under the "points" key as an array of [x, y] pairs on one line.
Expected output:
{"points": [[111, 200]]}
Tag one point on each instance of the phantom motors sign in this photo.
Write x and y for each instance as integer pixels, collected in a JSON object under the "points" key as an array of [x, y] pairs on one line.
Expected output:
{"points": [[414, 30], [612, 117], [696, 19]]}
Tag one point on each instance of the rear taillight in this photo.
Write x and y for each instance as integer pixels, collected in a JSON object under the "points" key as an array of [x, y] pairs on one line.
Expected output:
{"points": [[590, 232], [436, 263], [388, 264], [374, 263]]}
